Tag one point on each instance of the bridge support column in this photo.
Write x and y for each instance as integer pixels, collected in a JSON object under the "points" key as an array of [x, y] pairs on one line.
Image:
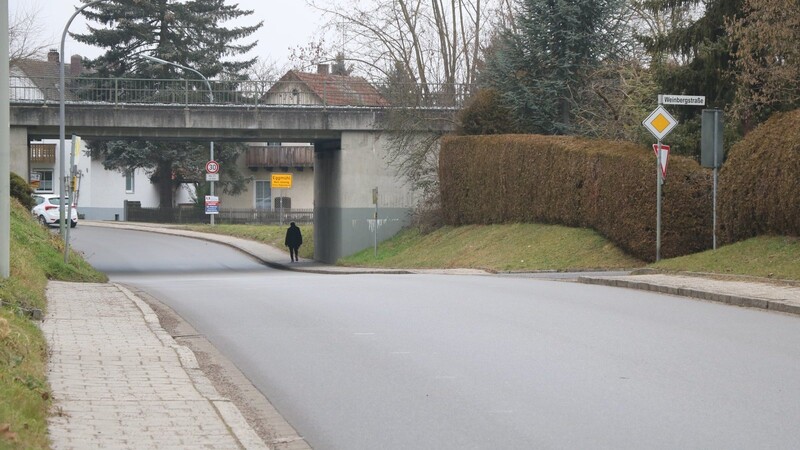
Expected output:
{"points": [[19, 152], [345, 174]]}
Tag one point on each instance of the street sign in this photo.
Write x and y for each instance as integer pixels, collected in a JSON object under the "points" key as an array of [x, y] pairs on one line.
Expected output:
{"points": [[212, 167], [660, 122], [212, 204], [281, 181], [686, 100], [664, 157], [212, 177]]}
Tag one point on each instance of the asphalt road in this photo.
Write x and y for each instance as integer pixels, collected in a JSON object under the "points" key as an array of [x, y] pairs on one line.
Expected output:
{"points": [[476, 362]]}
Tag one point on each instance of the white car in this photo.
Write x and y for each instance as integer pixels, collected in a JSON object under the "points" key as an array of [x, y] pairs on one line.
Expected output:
{"points": [[46, 210]]}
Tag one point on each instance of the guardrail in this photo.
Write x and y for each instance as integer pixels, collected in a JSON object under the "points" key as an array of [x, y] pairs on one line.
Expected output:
{"points": [[254, 93]]}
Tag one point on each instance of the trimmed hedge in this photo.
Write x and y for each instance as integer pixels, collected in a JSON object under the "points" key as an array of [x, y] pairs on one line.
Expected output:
{"points": [[759, 183], [605, 185]]}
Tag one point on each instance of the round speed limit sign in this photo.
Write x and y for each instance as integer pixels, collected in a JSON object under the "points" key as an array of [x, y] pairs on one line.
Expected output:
{"points": [[212, 167]]}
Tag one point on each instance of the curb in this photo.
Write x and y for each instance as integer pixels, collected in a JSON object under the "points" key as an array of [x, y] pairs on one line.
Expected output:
{"points": [[734, 300], [227, 411]]}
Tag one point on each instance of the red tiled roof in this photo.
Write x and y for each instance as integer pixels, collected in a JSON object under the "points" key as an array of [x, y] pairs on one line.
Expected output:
{"points": [[338, 90]]}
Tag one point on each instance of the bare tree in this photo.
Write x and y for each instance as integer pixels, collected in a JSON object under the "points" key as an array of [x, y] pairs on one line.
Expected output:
{"points": [[25, 35], [437, 43]]}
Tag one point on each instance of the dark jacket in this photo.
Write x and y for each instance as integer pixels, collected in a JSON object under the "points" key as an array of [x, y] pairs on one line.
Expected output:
{"points": [[294, 238]]}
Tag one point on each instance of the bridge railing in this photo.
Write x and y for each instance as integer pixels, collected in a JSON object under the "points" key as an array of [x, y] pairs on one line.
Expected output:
{"points": [[253, 93]]}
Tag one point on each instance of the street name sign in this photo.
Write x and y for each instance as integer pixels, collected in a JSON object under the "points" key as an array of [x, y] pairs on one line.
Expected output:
{"points": [[660, 122], [686, 100]]}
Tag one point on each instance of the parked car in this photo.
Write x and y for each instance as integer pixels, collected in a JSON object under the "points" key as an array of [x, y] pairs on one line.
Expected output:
{"points": [[46, 210]]}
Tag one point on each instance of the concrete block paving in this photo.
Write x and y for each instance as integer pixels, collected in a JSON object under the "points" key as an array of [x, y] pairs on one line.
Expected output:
{"points": [[120, 381]]}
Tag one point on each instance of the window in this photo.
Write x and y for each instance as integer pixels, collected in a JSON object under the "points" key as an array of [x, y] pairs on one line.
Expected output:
{"points": [[283, 202], [263, 194], [45, 180], [129, 179]]}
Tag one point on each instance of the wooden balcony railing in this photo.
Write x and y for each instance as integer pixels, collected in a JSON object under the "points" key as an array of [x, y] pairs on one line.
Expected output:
{"points": [[283, 158], [43, 153]]}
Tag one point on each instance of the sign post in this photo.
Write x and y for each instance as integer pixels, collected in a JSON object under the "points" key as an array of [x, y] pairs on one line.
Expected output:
{"points": [[281, 181], [212, 175], [712, 153], [375, 202], [660, 122]]}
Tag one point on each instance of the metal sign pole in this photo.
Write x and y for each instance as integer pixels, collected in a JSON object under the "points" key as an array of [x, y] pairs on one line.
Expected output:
{"points": [[716, 172], [211, 186], [659, 182]]}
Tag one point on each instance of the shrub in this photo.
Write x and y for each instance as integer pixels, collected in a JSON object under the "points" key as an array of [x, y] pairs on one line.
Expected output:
{"points": [[759, 184], [485, 114], [605, 185], [21, 190]]}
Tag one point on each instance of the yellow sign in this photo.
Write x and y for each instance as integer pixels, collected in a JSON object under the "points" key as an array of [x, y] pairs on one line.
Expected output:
{"points": [[281, 181], [660, 122]]}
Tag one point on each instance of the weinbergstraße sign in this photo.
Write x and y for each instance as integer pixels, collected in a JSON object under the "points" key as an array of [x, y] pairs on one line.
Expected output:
{"points": [[688, 100]]}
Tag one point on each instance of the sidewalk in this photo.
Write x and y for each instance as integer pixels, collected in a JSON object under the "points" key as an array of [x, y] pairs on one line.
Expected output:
{"points": [[119, 380]]}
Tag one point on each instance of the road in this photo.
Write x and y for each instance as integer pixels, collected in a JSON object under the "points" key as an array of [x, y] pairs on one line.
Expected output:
{"points": [[476, 362]]}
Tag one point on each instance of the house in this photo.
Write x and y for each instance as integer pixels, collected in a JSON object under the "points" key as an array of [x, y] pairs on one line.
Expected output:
{"points": [[323, 88]]}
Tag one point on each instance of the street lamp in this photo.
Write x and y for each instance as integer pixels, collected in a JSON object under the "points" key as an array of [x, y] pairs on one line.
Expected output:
{"points": [[61, 132], [210, 97]]}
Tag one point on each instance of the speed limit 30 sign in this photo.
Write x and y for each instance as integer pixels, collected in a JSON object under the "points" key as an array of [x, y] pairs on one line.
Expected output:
{"points": [[212, 167]]}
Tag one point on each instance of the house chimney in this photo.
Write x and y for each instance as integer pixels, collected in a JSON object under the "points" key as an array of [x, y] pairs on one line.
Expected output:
{"points": [[323, 69], [52, 55], [75, 66]]}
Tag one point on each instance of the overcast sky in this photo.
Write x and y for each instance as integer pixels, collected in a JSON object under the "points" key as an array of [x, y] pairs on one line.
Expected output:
{"points": [[287, 24]]}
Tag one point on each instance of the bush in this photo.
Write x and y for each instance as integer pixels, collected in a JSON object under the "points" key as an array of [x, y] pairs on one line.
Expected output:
{"points": [[759, 184], [605, 185], [21, 190], [485, 114]]}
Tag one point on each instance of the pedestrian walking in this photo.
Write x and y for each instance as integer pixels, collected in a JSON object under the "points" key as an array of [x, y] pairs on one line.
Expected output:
{"points": [[294, 239]]}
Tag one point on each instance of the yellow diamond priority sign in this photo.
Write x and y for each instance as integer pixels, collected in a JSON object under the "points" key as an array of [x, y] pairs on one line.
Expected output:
{"points": [[660, 122]]}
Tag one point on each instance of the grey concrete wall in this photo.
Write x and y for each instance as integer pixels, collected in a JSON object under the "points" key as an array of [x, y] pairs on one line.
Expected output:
{"points": [[19, 151], [99, 213], [344, 211]]}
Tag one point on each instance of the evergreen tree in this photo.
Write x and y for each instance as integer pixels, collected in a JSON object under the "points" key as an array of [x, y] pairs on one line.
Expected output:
{"points": [[541, 60], [189, 33]]}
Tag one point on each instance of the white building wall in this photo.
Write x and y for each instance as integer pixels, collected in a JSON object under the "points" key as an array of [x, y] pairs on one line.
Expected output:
{"points": [[102, 193], [301, 193]]}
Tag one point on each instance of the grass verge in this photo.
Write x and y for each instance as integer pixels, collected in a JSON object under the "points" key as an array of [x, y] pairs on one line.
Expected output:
{"points": [[37, 255], [775, 257], [514, 247], [273, 235]]}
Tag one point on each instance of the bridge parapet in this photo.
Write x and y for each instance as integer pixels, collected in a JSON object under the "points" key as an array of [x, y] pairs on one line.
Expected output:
{"points": [[251, 93]]}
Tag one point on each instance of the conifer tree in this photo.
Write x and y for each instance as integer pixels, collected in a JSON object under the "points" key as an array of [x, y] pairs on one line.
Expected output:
{"points": [[190, 33], [543, 58]]}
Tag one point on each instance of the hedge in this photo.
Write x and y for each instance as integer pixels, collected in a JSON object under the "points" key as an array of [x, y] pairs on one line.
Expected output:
{"points": [[605, 185], [759, 184]]}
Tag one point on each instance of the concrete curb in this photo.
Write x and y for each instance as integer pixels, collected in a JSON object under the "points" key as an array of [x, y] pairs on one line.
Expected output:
{"points": [[735, 300], [226, 410]]}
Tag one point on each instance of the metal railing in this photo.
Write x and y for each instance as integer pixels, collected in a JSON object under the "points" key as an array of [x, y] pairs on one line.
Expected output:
{"points": [[254, 93], [188, 215]]}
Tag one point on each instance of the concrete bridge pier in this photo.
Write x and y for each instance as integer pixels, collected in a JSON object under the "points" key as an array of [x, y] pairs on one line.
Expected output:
{"points": [[345, 173], [19, 151]]}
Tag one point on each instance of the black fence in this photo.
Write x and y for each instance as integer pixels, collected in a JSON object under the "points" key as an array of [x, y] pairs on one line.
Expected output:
{"points": [[136, 213]]}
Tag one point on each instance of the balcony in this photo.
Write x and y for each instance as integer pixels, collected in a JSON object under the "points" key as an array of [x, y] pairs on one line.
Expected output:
{"points": [[43, 153], [280, 158]]}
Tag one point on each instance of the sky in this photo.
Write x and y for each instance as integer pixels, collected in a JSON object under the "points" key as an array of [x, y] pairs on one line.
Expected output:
{"points": [[287, 24]]}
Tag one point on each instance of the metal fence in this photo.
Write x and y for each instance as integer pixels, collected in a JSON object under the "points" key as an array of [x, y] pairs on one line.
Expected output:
{"points": [[253, 93], [134, 213]]}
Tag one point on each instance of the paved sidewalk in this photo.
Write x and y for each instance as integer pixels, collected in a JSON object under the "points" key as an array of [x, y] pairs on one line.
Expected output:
{"points": [[763, 294], [120, 381]]}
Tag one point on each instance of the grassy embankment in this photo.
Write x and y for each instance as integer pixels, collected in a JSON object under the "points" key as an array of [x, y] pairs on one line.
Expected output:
{"points": [[36, 256], [532, 247]]}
